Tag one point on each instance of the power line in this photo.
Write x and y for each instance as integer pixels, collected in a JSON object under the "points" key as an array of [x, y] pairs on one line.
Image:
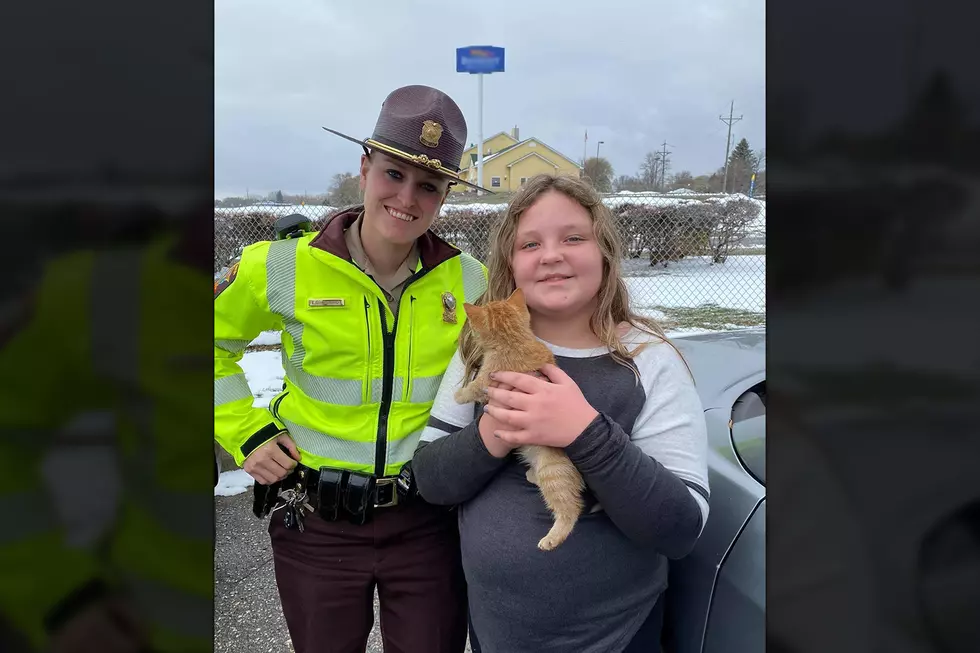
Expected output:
{"points": [[728, 141], [663, 165]]}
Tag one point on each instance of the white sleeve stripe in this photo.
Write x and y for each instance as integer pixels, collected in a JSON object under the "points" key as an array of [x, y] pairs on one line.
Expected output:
{"points": [[431, 434], [442, 425], [698, 488]]}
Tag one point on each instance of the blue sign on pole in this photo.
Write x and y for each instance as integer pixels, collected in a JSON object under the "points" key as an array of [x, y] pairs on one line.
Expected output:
{"points": [[476, 59]]}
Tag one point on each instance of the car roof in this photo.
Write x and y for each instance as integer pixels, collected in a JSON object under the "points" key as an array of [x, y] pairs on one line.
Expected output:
{"points": [[722, 359]]}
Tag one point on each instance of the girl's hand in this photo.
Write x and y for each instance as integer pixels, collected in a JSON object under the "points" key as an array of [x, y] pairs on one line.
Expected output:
{"points": [[488, 426], [551, 414]]}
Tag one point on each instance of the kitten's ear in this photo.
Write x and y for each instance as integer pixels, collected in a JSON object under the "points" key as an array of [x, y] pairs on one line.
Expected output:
{"points": [[472, 310], [517, 298], [475, 314]]}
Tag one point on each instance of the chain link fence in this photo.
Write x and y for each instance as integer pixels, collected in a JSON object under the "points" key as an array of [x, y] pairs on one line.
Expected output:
{"points": [[694, 262]]}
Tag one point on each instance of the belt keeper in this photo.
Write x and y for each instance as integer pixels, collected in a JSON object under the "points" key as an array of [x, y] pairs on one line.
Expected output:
{"points": [[331, 486]]}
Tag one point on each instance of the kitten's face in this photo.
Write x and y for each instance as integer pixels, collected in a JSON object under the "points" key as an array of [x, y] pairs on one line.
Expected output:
{"points": [[499, 322]]}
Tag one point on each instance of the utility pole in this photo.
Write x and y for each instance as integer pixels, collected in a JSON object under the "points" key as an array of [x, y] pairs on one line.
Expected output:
{"points": [[663, 166], [728, 141]]}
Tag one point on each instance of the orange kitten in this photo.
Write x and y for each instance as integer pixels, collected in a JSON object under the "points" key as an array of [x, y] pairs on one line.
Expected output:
{"points": [[503, 332]]}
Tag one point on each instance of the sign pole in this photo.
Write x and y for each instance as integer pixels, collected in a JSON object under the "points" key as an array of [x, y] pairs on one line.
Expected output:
{"points": [[479, 122], [479, 60]]}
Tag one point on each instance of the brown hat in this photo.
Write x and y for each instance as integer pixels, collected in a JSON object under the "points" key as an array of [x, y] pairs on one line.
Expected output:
{"points": [[422, 126]]}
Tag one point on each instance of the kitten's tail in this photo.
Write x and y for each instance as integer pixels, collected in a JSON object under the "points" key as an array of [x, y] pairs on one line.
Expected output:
{"points": [[561, 486]]}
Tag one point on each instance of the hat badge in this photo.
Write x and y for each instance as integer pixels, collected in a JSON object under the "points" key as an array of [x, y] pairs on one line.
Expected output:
{"points": [[431, 132]]}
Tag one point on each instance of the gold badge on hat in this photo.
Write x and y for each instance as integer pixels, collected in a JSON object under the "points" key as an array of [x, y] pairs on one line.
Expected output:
{"points": [[431, 132], [448, 308]]}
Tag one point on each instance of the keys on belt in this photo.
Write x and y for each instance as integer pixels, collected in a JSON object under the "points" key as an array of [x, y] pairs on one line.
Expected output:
{"points": [[333, 493]]}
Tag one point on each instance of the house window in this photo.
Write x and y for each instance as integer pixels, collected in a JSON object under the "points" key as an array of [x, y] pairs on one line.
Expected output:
{"points": [[494, 182]]}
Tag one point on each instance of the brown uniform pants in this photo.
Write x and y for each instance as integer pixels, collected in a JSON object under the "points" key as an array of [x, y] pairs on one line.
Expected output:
{"points": [[327, 576]]}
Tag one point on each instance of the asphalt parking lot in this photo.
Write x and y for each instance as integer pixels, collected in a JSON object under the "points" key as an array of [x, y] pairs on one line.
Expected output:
{"points": [[247, 614]]}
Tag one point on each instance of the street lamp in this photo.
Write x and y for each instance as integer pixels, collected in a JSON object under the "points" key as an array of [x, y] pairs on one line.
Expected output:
{"points": [[597, 149]]}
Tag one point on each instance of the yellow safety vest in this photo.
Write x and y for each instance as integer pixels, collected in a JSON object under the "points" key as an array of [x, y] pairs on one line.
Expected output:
{"points": [[115, 340], [359, 383]]}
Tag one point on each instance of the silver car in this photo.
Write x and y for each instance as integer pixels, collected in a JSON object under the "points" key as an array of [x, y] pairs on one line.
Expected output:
{"points": [[716, 596]]}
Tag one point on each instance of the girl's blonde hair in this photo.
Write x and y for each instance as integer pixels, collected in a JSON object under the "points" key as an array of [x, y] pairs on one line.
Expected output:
{"points": [[612, 308]]}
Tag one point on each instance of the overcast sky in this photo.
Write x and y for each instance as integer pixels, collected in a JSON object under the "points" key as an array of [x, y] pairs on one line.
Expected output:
{"points": [[632, 73]]}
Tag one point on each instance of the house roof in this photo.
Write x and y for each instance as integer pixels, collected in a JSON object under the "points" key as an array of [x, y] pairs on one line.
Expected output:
{"points": [[490, 138], [530, 154], [536, 140]]}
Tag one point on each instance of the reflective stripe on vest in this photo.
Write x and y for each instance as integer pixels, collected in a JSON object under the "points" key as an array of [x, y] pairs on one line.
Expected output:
{"points": [[474, 281], [232, 346], [350, 451], [231, 388], [281, 289]]}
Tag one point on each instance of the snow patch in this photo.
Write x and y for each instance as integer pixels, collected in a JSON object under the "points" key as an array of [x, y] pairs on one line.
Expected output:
{"points": [[234, 482]]}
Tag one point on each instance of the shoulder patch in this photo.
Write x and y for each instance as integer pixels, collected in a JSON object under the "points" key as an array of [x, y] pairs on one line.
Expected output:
{"points": [[225, 279]]}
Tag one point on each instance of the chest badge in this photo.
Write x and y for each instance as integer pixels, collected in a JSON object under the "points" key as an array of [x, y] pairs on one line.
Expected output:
{"points": [[448, 308]]}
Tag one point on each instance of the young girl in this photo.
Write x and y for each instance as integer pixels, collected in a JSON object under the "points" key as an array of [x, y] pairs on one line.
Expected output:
{"points": [[622, 404]]}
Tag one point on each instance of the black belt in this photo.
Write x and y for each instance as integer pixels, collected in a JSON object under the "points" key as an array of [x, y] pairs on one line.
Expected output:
{"points": [[337, 493]]}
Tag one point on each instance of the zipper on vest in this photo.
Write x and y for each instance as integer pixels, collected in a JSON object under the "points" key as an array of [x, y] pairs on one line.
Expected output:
{"points": [[381, 443], [275, 405], [409, 377], [366, 391]]}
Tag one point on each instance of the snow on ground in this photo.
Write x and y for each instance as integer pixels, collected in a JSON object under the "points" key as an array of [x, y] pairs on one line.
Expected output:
{"points": [[268, 338], [264, 374], [234, 482], [739, 283]]}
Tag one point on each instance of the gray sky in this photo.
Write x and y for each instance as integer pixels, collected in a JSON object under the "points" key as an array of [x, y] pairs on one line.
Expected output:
{"points": [[632, 73]]}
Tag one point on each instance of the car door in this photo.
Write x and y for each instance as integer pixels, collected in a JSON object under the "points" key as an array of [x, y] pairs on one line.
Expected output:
{"points": [[716, 596]]}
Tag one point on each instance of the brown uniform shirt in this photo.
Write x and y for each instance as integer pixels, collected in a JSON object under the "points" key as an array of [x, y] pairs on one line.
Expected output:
{"points": [[392, 284]]}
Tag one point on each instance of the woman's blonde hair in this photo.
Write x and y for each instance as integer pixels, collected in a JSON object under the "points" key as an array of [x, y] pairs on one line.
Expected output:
{"points": [[612, 308]]}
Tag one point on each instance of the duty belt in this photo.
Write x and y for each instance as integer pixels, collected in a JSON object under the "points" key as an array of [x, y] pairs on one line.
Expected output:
{"points": [[333, 494]]}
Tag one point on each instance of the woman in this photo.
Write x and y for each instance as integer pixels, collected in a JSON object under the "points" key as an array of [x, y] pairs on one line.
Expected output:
{"points": [[620, 402], [367, 311]]}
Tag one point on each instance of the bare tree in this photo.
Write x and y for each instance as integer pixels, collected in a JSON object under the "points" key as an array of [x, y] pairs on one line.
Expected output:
{"points": [[682, 179], [650, 170], [729, 224], [344, 190]]}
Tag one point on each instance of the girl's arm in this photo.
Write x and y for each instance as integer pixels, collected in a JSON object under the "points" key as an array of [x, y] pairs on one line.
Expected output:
{"points": [[454, 460], [652, 483]]}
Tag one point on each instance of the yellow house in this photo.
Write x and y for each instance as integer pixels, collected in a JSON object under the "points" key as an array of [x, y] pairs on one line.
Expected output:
{"points": [[509, 161]]}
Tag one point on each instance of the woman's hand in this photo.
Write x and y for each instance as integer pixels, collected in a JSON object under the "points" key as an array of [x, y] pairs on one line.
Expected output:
{"points": [[550, 412]]}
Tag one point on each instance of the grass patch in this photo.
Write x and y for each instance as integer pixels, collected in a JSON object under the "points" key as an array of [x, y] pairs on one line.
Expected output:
{"points": [[748, 251], [708, 316]]}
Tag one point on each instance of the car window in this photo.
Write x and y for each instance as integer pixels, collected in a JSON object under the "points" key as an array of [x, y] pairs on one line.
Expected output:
{"points": [[748, 427]]}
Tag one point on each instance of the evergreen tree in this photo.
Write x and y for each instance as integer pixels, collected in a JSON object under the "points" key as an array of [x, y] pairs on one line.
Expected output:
{"points": [[741, 164]]}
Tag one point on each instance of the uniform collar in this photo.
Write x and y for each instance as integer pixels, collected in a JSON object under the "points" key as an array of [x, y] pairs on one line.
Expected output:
{"points": [[432, 250]]}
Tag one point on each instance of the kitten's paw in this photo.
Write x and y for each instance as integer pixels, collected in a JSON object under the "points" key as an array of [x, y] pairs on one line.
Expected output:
{"points": [[549, 543], [531, 477]]}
